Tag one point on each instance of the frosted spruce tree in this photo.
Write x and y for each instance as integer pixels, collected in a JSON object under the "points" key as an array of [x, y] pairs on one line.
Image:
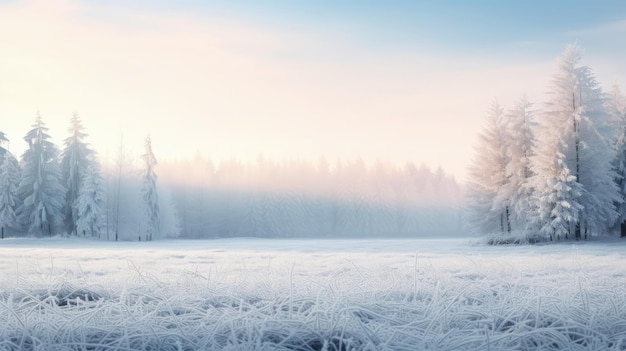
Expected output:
{"points": [[40, 189], [149, 192], [616, 106], [9, 182], [556, 191], [3, 140], [488, 209], [573, 181], [520, 142], [593, 142], [89, 204], [76, 158]]}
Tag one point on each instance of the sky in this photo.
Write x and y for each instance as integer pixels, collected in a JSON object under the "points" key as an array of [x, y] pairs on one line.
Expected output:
{"points": [[401, 81]]}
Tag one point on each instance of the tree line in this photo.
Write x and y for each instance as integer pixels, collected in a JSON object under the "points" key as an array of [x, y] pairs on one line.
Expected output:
{"points": [[555, 172], [298, 198], [51, 191]]}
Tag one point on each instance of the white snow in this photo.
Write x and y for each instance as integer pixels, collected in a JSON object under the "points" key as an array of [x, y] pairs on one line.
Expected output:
{"points": [[263, 294]]}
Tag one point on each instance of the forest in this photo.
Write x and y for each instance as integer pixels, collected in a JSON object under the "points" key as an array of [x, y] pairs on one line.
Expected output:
{"points": [[557, 171], [72, 192]]}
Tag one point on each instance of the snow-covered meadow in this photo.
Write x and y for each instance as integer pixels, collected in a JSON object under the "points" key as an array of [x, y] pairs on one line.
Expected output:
{"points": [[262, 294]]}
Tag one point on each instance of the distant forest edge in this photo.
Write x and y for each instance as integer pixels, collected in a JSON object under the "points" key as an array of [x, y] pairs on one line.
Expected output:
{"points": [[71, 192], [555, 172], [302, 199]]}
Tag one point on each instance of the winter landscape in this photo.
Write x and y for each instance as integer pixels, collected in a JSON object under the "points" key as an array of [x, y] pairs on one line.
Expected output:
{"points": [[312, 176]]}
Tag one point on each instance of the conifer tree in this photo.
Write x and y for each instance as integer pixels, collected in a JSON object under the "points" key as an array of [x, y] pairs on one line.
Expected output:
{"points": [[489, 211], [3, 139], [149, 192], [596, 156], [90, 203], [9, 182], [40, 190], [556, 191], [573, 180], [519, 147], [76, 158], [616, 106]]}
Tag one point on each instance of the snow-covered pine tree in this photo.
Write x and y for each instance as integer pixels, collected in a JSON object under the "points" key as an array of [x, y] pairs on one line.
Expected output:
{"points": [[89, 205], [616, 106], [149, 192], [3, 139], [75, 160], [3, 151], [41, 190], [596, 156], [556, 191], [517, 171], [9, 182], [487, 211], [573, 179]]}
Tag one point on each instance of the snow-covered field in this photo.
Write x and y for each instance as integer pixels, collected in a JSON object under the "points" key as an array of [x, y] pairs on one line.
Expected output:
{"points": [[258, 294]]}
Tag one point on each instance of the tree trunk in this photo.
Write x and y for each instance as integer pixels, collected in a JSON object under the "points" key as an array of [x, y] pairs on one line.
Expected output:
{"points": [[623, 229], [576, 145]]}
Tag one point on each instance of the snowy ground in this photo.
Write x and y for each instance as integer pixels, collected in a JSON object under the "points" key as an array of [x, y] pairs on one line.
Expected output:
{"points": [[254, 294]]}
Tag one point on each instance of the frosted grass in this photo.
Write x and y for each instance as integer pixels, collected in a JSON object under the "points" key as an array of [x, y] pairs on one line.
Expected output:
{"points": [[311, 295]]}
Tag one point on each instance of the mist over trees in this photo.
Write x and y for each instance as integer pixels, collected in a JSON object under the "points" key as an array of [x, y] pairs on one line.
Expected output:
{"points": [[72, 192], [296, 198], [555, 172]]}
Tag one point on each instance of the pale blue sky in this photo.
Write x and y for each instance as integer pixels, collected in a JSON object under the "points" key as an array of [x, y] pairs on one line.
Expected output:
{"points": [[395, 80], [436, 25]]}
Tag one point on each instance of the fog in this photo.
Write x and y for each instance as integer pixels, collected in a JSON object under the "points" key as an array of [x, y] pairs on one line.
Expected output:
{"points": [[296, 198]]}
